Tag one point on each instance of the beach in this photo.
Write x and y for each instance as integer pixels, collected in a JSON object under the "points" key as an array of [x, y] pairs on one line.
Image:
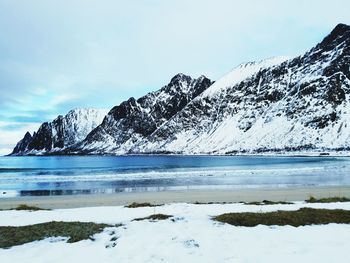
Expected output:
{"points": [[191, 233], [183, 196]]}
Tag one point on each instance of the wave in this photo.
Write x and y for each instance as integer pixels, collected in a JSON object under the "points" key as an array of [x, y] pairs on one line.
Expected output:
{"points": [[144, 174]]}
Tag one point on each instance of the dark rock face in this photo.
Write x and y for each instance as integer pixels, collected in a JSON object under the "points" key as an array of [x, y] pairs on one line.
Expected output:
{"points": [[62, 132], [22, 145], [338, 35], [134, 120], [43, 138]]}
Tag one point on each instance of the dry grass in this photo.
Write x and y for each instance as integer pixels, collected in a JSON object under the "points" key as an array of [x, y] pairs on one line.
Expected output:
{"points": [[267, 202], [301, 217], [333, 199], [28, 208], [75, 231], [136, 205], [154, 217]]}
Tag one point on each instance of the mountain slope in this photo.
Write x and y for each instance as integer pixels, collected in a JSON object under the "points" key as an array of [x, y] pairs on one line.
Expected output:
{"points": [[62, 132], [299, 104], [134, 120], [290, 105]]}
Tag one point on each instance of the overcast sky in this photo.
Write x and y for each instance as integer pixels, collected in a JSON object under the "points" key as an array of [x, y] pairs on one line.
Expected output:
{"points": [[59, 55]]}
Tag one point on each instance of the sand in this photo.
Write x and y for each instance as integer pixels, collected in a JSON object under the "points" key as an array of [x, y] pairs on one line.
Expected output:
{"points": [[183, 196]]}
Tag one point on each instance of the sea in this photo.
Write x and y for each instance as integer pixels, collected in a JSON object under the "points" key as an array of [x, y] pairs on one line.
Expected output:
{"points": [[68, 175]]}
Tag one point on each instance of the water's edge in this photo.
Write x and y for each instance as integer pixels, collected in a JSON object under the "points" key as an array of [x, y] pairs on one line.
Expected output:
{"points": [[63, 175]]}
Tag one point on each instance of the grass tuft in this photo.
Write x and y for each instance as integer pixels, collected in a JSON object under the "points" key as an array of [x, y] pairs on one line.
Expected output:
{"points": [[28, 208], [267, 202], [75, 231], [334, 199], [136, 205], [154, 217], [303, 216], [208, 203]]}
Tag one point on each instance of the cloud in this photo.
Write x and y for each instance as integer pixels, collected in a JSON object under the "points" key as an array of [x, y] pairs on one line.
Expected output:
{"points": [[57, 55], [12, 126], [4, 150], [12, 132]]}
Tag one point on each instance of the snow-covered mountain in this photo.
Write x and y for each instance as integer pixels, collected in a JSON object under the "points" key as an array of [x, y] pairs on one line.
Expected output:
{"points": [[281, 104], [131, 122], [62, 132], [298, 104]]}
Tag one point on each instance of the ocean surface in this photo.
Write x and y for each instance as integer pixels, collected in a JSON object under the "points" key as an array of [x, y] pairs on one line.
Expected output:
{"points": [[21, 176]]}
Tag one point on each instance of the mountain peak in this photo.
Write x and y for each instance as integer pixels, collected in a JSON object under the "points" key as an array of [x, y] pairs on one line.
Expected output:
{"points": [[27, 135], [241, 72], [23, 144], [180, 77], [341, 28], [203, 78], [84, 110], [339, 34], [62, 132]]}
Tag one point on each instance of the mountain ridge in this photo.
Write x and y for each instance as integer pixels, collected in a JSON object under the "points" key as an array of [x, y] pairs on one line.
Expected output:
{"points": [[60, 133], [282, 104], [134, 120], [236, 119]]}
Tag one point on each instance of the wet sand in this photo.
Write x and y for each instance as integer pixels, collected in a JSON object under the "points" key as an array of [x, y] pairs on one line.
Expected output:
{"points": [[183, 196]]}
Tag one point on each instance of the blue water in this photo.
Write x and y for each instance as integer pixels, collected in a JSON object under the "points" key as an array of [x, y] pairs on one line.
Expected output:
{"points": [[109, 174]]}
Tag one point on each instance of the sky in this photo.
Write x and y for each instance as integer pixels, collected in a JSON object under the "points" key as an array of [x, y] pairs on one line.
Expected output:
{"points": [[60, 55]]}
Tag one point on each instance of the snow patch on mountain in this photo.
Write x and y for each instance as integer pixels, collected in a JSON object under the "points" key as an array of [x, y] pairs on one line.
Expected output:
{"points": [[242, 72]]}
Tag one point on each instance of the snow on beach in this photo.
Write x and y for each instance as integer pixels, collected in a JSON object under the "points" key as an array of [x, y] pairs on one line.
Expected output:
{"points": [[190, 237]]}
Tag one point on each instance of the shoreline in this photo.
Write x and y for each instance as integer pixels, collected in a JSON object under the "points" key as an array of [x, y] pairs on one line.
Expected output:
{"points": [[176, 196], [240, 154]]}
